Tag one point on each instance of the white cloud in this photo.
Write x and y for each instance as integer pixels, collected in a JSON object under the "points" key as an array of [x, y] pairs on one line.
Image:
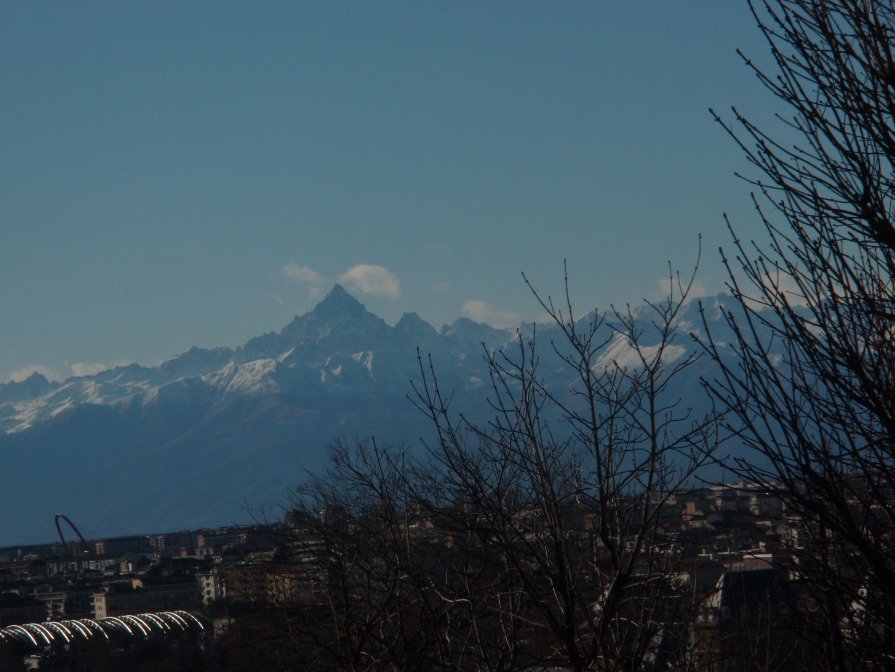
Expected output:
{"points": [[307, 276], [784, 284], [26, 371], [370, 279], [478, 310], [301, 273], [666, 285], [91, 369], [778, 287]]}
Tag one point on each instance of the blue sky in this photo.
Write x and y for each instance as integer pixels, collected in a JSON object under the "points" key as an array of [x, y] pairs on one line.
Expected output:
{"points": [[178, 174]]}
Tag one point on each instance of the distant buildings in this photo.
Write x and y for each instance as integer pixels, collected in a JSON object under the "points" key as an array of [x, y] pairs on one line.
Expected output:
{"points": [[731, 545], [177, 571]]}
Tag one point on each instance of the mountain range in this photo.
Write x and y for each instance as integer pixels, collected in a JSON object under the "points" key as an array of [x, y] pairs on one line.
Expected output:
{"points": [[217, 436]]}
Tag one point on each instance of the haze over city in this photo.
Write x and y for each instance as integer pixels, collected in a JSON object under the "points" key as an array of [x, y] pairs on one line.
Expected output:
{"points": [[178, 175]]}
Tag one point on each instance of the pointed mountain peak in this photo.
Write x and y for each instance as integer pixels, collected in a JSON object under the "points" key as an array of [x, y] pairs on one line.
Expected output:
{"points": [[338, 302], [338, 313], [337, 292], [33, 386], [36, 378], [413, 324]]}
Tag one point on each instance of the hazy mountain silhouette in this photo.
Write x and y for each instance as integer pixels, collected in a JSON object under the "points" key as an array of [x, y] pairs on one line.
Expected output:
{"points": [[212, 433]]}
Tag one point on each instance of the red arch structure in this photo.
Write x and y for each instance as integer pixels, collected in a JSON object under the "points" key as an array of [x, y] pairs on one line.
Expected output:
{"points": [[73, 528]]}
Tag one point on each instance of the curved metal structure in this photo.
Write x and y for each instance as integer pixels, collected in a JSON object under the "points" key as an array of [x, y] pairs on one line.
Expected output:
{"points": [[73, 528], [36, 637]]}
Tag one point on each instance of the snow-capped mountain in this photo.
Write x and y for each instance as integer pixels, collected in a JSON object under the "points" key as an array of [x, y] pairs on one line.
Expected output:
{"points": [[208, 435]]}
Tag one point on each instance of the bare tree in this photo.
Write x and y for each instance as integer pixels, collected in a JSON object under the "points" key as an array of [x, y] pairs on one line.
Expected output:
{"points": [[539, 538], [386, 584], [369, 600], [810, 374], [567, 487]]}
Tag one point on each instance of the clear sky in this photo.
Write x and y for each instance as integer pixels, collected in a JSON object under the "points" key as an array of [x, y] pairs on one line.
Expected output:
{"points": [[197, 173]]}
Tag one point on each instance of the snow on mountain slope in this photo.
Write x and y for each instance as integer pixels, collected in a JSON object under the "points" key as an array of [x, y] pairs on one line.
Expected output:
{"points": [[249, 378], [189, 441], [339, 344]]}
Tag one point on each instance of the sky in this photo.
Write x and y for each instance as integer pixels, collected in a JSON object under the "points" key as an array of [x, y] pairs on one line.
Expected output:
{"points": [[176, 174]]}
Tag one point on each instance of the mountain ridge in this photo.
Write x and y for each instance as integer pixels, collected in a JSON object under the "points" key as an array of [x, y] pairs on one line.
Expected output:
{"points": [[190, 441]]}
